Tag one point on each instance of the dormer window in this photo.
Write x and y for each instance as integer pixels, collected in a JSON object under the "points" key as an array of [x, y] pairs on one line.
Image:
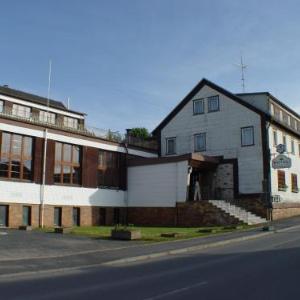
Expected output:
{"points": [[21, 111], [213, 103], [70, 122], [47, 117]]}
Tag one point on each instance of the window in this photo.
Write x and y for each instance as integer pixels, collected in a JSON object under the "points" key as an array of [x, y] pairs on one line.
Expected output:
{"points": [[285, 118], [200, 142], [70, 122], [213, 103], [299, 150], [109, 169], [15, 156], [67, 168], [276, 112], [47, 117], [294, 123], [284, 142], [1, 106], [57, 216], [281, 180], [198, 106], [171, 146], [21, 111], [247, 136], [275, 138], [294, 180], [293, 147]]}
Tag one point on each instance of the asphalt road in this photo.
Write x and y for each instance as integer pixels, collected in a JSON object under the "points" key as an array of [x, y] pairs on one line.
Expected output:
{"points": [[265, 268]]}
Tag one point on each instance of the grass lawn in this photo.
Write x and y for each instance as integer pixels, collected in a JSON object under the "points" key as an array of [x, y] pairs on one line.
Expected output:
{"points": [[152, 234]]}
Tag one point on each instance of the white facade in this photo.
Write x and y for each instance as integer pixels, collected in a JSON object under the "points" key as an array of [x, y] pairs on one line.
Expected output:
{"points": [[30, 193], [223, 136], [159, 185]]}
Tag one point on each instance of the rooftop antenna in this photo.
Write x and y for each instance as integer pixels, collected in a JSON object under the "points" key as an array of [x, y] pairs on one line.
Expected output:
{"points": [[68, 103], [243, 67], [49, 83]]}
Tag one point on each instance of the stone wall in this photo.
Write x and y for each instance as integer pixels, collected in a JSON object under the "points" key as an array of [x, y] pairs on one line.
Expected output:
{"points": [[285, 210]]}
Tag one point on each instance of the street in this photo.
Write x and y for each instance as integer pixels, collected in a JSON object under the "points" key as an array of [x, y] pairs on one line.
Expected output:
{"points": [[264, 268]]}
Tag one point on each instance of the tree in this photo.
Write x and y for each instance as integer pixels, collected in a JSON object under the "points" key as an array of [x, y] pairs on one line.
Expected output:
{"points": [[140, 132]]}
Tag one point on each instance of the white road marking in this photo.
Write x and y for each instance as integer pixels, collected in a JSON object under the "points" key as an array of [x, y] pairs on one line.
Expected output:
{"points": [[177, 291]]}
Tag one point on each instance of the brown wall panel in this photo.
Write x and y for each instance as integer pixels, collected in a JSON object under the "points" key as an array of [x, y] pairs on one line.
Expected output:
{"points": [[50, 162], [89, 167], [38, 159]]}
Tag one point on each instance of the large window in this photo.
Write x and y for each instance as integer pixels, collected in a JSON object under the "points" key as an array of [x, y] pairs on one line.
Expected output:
{"points": [[21, 111], [213, 104], [15, 156], [198, 106], [70, 122], [47, 117], [171, 146], [247, 136], [67, 164], [200, 142], [1, 106], [108, 169]]}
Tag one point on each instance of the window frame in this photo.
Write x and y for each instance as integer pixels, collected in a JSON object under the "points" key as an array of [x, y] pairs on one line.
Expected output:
{"points": [[281, 181], [66, 122], [22, 157], [275, 138], [1, 106], [208, 103], [43, 114], [24, 107], [205, 144], [67, 163], [253, 138], [167, 146], [294, 183], [111, 169], [200, 100]]}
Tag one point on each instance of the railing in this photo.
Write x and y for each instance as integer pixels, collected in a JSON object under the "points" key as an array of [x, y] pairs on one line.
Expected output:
{"points": [[105, 134]]}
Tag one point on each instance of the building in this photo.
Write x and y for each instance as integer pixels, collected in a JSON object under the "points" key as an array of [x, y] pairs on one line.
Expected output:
{"points": [[214, 142], [83, 178]]}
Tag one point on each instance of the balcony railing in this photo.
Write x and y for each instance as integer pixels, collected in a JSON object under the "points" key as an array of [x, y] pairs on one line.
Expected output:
{"points": [[105, 134]]}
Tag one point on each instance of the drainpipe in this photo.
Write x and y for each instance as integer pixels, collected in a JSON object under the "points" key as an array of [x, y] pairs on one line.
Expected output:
{"points": [[126, 183], [268, 179], [42, 191]]}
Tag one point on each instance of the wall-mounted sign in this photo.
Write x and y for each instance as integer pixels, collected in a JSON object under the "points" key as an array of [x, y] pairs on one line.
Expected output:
{"points": [[281, 148], [281, 162]]}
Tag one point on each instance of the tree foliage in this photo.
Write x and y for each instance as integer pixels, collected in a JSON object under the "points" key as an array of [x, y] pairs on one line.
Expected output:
{"points": [[140, 132]]}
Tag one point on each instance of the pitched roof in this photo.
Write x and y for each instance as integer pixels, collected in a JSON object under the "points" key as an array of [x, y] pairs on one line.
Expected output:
{"points": [[193, 92], [7, 91]]}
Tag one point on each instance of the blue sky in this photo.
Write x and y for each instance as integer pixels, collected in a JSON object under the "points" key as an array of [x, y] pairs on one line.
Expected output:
{"points": [[127, 63]]}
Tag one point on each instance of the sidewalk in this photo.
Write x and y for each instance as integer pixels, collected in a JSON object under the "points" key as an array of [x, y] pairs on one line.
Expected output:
{"points": [[134, 252]]}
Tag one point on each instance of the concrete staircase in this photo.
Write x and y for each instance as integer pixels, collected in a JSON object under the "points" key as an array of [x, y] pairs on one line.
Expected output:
{"points": [[238, 212]]}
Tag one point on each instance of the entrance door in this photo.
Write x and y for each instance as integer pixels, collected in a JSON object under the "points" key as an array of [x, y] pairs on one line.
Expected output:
{"points": [[57, 216], [76, 216], [3, 215], [102, 216], [26, 215]]}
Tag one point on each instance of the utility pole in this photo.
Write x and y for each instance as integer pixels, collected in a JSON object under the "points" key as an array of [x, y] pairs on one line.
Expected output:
{"points": [[242, 66]]}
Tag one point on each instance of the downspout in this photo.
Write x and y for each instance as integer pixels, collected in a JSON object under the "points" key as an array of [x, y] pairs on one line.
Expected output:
{"points": [[126, 182], [42, 191], [268, 173]]}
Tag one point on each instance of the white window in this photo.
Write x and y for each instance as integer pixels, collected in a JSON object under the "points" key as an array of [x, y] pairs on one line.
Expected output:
{"points": [[200, 142], [47, 117], [198, 106], [171, 146], [275, 138], [293, 147], [1, 106], [70, 122], [213, 103], [21, 111], [247, 136]]}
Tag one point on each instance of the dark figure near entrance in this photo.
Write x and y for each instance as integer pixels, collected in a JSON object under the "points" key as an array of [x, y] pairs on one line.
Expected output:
{"points": [[197, 190]]}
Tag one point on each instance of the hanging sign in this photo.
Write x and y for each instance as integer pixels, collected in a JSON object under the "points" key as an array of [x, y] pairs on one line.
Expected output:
{"points": [[281, 161], [281, 148]]}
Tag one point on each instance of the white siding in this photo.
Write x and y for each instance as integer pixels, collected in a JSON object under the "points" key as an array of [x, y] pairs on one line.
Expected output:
{"points": [[29, 193], [223, 136], [260, 101], [160, 185], [287, 196]]}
